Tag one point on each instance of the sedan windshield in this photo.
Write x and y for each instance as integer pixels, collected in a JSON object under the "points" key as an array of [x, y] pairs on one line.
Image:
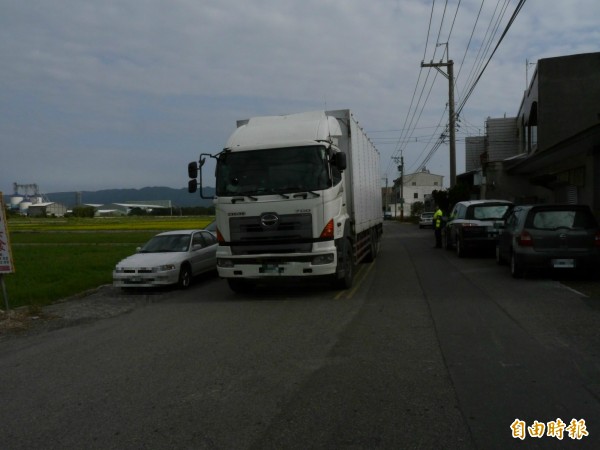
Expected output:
{"points": [[167, 243], [273, 171], [489, 212]]}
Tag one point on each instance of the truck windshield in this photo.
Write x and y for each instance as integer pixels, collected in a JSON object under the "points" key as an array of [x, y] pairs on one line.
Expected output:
{"points": [[273, 171]]}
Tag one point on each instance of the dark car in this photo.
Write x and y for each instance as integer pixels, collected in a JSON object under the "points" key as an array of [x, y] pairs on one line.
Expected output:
{"points": [[474, 224], [549, 237]]}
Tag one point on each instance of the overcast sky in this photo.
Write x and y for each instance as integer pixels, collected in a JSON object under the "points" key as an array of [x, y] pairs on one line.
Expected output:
{"points": [[123, 94]]}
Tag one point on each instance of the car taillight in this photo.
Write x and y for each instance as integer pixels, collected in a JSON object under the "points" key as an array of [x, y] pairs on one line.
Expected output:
{"points": [[327, 232], [219, 236], [525, 239]]}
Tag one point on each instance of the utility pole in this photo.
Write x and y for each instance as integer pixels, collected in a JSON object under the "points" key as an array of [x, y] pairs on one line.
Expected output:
{"points": [[451, 114], [386, 196], [401, 171]]}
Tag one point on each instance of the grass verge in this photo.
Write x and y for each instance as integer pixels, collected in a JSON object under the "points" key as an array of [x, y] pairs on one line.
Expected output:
{"points": [[58, 258]]}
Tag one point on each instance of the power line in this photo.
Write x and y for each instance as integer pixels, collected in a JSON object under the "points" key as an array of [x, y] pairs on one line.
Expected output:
{"points": [[477, 67], [510, 22]]}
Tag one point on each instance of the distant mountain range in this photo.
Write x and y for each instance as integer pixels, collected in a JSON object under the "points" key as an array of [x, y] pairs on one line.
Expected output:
{"points": [[178, 197]]}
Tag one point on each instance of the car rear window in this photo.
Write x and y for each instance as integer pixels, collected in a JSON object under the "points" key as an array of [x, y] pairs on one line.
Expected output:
{"points": [[554, 219], [488, 212]]}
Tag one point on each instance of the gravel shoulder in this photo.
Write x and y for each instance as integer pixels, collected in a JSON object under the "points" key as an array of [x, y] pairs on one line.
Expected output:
{"points": [[100, 303]]}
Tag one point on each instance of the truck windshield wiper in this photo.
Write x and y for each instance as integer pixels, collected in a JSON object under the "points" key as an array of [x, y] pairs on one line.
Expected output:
{"points": [[305, 194], [241, 199], [273, 191]]}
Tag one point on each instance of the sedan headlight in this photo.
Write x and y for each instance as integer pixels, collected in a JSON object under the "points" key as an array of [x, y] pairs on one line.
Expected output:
{"points": [[164, 268]]}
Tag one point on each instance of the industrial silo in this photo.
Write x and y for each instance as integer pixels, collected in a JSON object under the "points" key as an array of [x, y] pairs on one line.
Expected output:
{"points": [[15, 200]]}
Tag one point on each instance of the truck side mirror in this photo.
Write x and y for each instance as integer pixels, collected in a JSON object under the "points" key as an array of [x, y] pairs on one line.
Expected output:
{"points": [[192, 186], [340, 161], [193, 170]]}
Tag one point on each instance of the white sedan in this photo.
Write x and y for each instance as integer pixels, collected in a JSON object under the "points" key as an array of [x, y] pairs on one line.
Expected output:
{"points": [[173, 257]]}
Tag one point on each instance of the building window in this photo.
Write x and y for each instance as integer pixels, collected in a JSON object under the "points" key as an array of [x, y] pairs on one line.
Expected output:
{"points": [[435, 183], [416, 195]]}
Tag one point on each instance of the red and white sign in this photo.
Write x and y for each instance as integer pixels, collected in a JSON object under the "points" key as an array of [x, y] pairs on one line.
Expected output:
{"points": [[6, 261]]}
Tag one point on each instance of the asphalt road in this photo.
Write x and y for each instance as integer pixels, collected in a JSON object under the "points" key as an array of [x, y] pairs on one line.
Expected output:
{"points": [[426, 351]]}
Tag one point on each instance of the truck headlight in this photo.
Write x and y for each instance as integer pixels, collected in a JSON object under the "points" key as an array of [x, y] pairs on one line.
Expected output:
{"points": [[227, 263], [323, 259]]}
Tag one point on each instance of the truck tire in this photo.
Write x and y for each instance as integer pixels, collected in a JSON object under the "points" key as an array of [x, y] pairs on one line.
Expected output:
{"points": [[373, 247], [240, 285], [345, 265]]}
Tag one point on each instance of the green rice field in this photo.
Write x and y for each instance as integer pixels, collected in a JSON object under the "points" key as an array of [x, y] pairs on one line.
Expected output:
{"points": [[58, 258]]}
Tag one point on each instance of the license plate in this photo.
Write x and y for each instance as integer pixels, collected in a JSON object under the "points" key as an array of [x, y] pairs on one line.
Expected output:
{"points": [[270, 268], [563, 263]]}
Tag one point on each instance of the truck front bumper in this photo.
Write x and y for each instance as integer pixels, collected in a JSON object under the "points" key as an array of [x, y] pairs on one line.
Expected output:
{"points": [[277, 265]]}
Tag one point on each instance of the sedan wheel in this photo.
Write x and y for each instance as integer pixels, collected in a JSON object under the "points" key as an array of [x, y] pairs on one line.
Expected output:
{"points": [[185, 277]]}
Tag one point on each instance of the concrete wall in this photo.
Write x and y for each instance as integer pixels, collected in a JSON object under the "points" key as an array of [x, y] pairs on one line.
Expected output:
{"points": [[562, 99], [502, 138], [474, 148]]}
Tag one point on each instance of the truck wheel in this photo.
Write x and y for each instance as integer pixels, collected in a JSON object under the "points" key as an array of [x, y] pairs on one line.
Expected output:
{"points": [[240, 286], [373, 247], [185, 277], [347, 265]]}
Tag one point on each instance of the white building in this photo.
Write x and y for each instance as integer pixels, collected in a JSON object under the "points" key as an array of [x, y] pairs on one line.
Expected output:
{"points": [[46, 209], [417, 187]]}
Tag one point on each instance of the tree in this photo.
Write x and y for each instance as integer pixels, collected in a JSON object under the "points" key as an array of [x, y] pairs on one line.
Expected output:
{"points": [[416, 208], [458, 193], [137, 211], [84, 211], [448, 198]]}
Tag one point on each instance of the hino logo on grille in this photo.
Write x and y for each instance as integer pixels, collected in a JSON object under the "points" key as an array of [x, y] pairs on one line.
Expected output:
{"points": [[269, 220]]}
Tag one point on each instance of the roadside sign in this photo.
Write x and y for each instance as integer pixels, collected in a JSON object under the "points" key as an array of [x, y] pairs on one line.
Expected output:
{"points": [[6, 260]]}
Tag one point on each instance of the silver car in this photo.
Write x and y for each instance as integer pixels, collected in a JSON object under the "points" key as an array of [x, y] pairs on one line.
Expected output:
{"points": [[426, 220], [549, 237], [168, 258]]}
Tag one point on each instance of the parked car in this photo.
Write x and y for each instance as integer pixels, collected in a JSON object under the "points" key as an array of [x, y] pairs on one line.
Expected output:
{"points": [[474, 224], [173, 257], [549, 237], [426, 220], [387, 215]]}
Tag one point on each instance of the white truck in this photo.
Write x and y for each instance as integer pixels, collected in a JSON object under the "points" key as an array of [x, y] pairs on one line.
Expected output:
{"points": [[296, 196]]}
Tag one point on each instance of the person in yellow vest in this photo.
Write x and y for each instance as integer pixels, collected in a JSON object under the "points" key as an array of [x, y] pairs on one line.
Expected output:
{"points": [[437, 227]]}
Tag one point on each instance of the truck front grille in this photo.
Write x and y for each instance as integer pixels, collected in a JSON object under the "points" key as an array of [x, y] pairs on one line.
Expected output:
{"points": [[292, 234]]}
